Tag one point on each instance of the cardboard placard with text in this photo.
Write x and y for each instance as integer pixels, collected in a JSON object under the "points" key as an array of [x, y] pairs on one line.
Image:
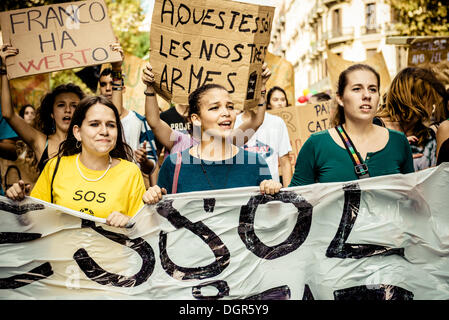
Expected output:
{"points": [[282, 75], [57, 37], [206, 41], [336, 65], [133, 97], [302, 121], [424, 52]]}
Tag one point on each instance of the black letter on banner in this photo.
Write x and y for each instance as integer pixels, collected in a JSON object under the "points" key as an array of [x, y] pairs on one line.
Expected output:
{"points": [[18, 209], [209, 205], [36, 274], [307, 295], [18, 237], [338, 247], [101, 276], [278, 293], [373, 292], [220, 251], [294, 240], [222, 287], [41, 272]]}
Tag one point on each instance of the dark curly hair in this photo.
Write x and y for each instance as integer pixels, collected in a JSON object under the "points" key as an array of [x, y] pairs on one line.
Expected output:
{"points": [[22, 110], [44, 121], [69, 146]]}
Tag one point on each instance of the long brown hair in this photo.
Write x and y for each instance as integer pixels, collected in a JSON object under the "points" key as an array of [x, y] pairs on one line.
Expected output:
{"points": [[410, 100], [339, 115], [70, 147]]}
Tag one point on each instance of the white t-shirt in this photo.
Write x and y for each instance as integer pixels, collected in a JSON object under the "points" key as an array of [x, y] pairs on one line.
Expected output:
{"points": [[271, 141], [134, 133]]}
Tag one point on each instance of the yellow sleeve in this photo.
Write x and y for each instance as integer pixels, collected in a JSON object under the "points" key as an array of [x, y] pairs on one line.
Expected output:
{"points": [[41, 189], [136, 193]]}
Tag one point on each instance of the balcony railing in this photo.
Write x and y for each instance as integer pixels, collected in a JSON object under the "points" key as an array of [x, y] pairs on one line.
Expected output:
{"points": [[371, 29], [332, 2], [339, 35]]}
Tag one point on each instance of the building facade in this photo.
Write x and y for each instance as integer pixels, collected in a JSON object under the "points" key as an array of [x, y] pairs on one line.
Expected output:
{"points": [[353, 29]]}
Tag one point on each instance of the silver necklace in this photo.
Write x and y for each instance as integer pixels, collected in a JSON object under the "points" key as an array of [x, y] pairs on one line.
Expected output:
{"points": [[92, 180]]}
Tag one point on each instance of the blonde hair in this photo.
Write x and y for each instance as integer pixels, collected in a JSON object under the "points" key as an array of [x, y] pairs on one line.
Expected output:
{"points": [[410, 100]]}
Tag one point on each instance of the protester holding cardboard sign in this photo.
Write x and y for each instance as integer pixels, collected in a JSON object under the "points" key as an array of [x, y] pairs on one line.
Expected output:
{"points": [[57, 37], [176, 141], [356, 148], [197, 42], [137, 132], [214, 163], [54, 114], [92, 173]]}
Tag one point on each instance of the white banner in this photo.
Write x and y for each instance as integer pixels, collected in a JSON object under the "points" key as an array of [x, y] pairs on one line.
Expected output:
{"points": [[379, 238]]}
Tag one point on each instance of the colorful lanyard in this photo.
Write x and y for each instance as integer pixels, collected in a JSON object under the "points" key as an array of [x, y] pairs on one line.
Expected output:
{"points": [[360, 168]]}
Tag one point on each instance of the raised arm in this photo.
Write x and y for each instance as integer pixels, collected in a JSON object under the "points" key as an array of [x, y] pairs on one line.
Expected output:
{"points": [[117, 79], [256, 116], [30, 135], [442, 134], [161, 129]]}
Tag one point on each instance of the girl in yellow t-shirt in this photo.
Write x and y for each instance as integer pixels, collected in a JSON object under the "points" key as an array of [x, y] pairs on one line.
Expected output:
{"points": [[93, 172]]}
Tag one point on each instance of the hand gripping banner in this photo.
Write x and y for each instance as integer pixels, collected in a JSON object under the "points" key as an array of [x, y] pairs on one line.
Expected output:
{"points": [[383, 238]]}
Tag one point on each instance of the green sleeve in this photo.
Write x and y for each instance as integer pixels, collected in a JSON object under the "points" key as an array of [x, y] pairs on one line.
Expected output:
{"points": [[407, 166], [305, 165]]}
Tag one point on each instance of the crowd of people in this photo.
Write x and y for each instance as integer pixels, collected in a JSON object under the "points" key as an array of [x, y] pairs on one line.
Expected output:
{"points": [[91, 154]]}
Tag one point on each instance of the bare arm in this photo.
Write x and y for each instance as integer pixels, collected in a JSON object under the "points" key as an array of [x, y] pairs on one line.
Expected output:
{"points": [[31, 136], [160, 128], [442, 134], [256, 116], [117, 88], [153, 176], [286, 169]]}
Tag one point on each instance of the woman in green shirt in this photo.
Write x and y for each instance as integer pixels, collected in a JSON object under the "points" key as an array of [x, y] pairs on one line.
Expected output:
{"points": [[324, 158]]}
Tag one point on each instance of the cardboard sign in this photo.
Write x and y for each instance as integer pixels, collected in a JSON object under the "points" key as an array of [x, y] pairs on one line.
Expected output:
{"points": [[282, 75], [58, 37], [302, 121], [336, 65], [133, 97], [425, 52], [206, 41]]}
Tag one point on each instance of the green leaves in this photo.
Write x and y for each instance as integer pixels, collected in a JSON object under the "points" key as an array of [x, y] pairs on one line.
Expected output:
{"points": [[421, 17]]}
